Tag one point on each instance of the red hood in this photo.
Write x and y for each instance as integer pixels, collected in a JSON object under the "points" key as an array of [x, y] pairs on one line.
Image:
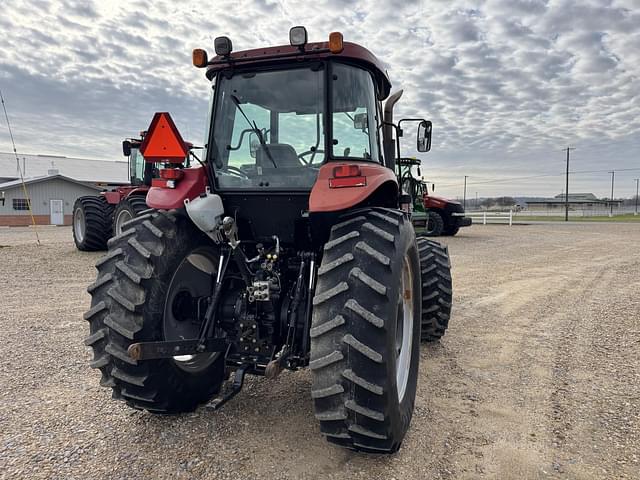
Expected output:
{"points": [[441, 199]]}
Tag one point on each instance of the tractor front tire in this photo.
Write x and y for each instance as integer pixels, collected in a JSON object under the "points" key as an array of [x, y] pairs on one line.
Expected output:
{"points": [[134, 300], [92, 223], [127, 209], [366, 330], [451, 231], [435, 269], [435, 224]]}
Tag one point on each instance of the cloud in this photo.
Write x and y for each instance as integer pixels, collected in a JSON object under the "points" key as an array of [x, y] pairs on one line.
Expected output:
{"points": [[507, 83]]}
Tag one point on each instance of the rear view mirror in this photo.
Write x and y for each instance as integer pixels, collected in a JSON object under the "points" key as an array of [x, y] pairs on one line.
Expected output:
{"points": [[360, 121], [424, 136], [126, 148]]}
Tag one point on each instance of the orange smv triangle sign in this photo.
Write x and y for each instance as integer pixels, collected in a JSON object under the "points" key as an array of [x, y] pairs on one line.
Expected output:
{"points": [[163, 142]]}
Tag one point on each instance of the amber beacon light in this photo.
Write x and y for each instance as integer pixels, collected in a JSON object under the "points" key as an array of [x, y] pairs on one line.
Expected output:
{"points": [[335, 42], [199, 58]]}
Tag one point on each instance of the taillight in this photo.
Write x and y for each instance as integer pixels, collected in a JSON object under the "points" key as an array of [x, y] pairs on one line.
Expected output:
{"points": [[347, 176], [346, 171]]}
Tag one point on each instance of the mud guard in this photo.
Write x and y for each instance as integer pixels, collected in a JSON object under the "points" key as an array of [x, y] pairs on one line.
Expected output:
{"points": [[326, 199], [193, 183]]}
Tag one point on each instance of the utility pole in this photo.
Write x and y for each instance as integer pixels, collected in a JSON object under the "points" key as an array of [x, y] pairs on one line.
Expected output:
{"points": [[477, 200], [464, 197], [613, 176], [566, 190], [637, 182]]}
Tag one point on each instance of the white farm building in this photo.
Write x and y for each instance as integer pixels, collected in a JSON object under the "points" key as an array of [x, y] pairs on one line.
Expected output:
{"points": [[51, 186]]}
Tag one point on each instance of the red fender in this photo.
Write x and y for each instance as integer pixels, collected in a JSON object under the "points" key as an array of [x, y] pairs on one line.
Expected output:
{"points": [[113, 197], [326, 199], [193, 183]]}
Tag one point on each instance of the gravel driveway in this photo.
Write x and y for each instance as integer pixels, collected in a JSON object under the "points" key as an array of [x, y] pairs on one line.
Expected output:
{"points": [[538, 376]]}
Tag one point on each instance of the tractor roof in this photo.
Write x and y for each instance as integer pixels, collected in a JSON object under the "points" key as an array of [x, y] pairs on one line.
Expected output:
{"points": [[352, 52]]}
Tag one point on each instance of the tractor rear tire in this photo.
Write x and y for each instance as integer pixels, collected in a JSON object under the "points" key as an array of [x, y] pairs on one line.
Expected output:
{"points": [[366, 330], [92, 217], [127, 209], [435, 269], [435, 224], [130, 304]]}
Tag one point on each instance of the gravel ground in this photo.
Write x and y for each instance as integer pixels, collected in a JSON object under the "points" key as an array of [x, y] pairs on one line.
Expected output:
{"points": [[538, 376]]}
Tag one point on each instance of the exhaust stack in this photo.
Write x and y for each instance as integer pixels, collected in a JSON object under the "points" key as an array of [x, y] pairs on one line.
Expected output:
{"points": [[388, 142]]}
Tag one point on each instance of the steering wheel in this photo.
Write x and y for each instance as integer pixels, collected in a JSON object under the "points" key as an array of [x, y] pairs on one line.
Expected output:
{"points": [[309, 152], [236, 171]]}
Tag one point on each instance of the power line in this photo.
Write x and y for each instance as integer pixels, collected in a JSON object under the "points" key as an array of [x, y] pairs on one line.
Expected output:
{"points": [[510, 179]]}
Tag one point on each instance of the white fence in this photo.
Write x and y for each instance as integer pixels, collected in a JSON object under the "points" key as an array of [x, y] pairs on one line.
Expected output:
{"points": [[599, 212], [508, 217], [491, 217]]}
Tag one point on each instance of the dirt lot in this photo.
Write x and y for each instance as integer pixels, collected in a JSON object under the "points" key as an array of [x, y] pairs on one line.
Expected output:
{"points": [[538, 376]]}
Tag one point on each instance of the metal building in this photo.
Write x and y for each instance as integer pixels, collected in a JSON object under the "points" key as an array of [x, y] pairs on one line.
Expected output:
{"points": [[51, 198], [53, 184], [577, 201], [81, 169]]}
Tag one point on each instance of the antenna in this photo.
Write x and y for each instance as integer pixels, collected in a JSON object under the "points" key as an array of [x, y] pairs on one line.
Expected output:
{"points": [[15, 152]]}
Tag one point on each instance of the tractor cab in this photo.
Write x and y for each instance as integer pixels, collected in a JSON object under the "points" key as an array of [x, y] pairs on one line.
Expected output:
{"points": [[300, 128], [140, 172], [274, 128]]}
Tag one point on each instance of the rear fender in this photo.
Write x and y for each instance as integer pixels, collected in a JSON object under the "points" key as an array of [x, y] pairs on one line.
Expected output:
{"points": [[193, 183], [381, 186]]}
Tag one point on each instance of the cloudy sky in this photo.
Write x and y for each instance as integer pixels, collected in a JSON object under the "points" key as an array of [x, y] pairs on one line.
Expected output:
{"points": [[507, 83]]}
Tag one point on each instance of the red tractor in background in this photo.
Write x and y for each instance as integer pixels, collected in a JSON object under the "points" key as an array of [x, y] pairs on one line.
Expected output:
{"points": [[289, 246], [445, 216], [432, 216], [96, 218]]}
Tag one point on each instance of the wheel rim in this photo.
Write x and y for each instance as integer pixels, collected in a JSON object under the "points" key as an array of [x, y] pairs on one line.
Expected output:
{"points": [[123, 216], [191, 284], [79, 224], [404, 328]]}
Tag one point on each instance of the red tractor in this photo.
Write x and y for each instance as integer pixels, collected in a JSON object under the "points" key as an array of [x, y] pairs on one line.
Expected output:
{"points": [[96, 218], [433, 216], [444, 216], [290, 246]]}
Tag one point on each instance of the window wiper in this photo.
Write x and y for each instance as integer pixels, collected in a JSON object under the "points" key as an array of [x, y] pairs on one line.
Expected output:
{"points": [[255, 128]]}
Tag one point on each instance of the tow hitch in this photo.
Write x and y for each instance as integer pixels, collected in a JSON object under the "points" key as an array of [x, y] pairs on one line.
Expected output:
{"points": [[157, 350]]}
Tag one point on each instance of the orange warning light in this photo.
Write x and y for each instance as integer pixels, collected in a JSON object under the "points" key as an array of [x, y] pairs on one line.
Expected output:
{"points": [[163, 142]]}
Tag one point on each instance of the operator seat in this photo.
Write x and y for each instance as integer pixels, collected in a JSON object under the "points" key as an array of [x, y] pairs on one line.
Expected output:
{"points": [[283, 154]]}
